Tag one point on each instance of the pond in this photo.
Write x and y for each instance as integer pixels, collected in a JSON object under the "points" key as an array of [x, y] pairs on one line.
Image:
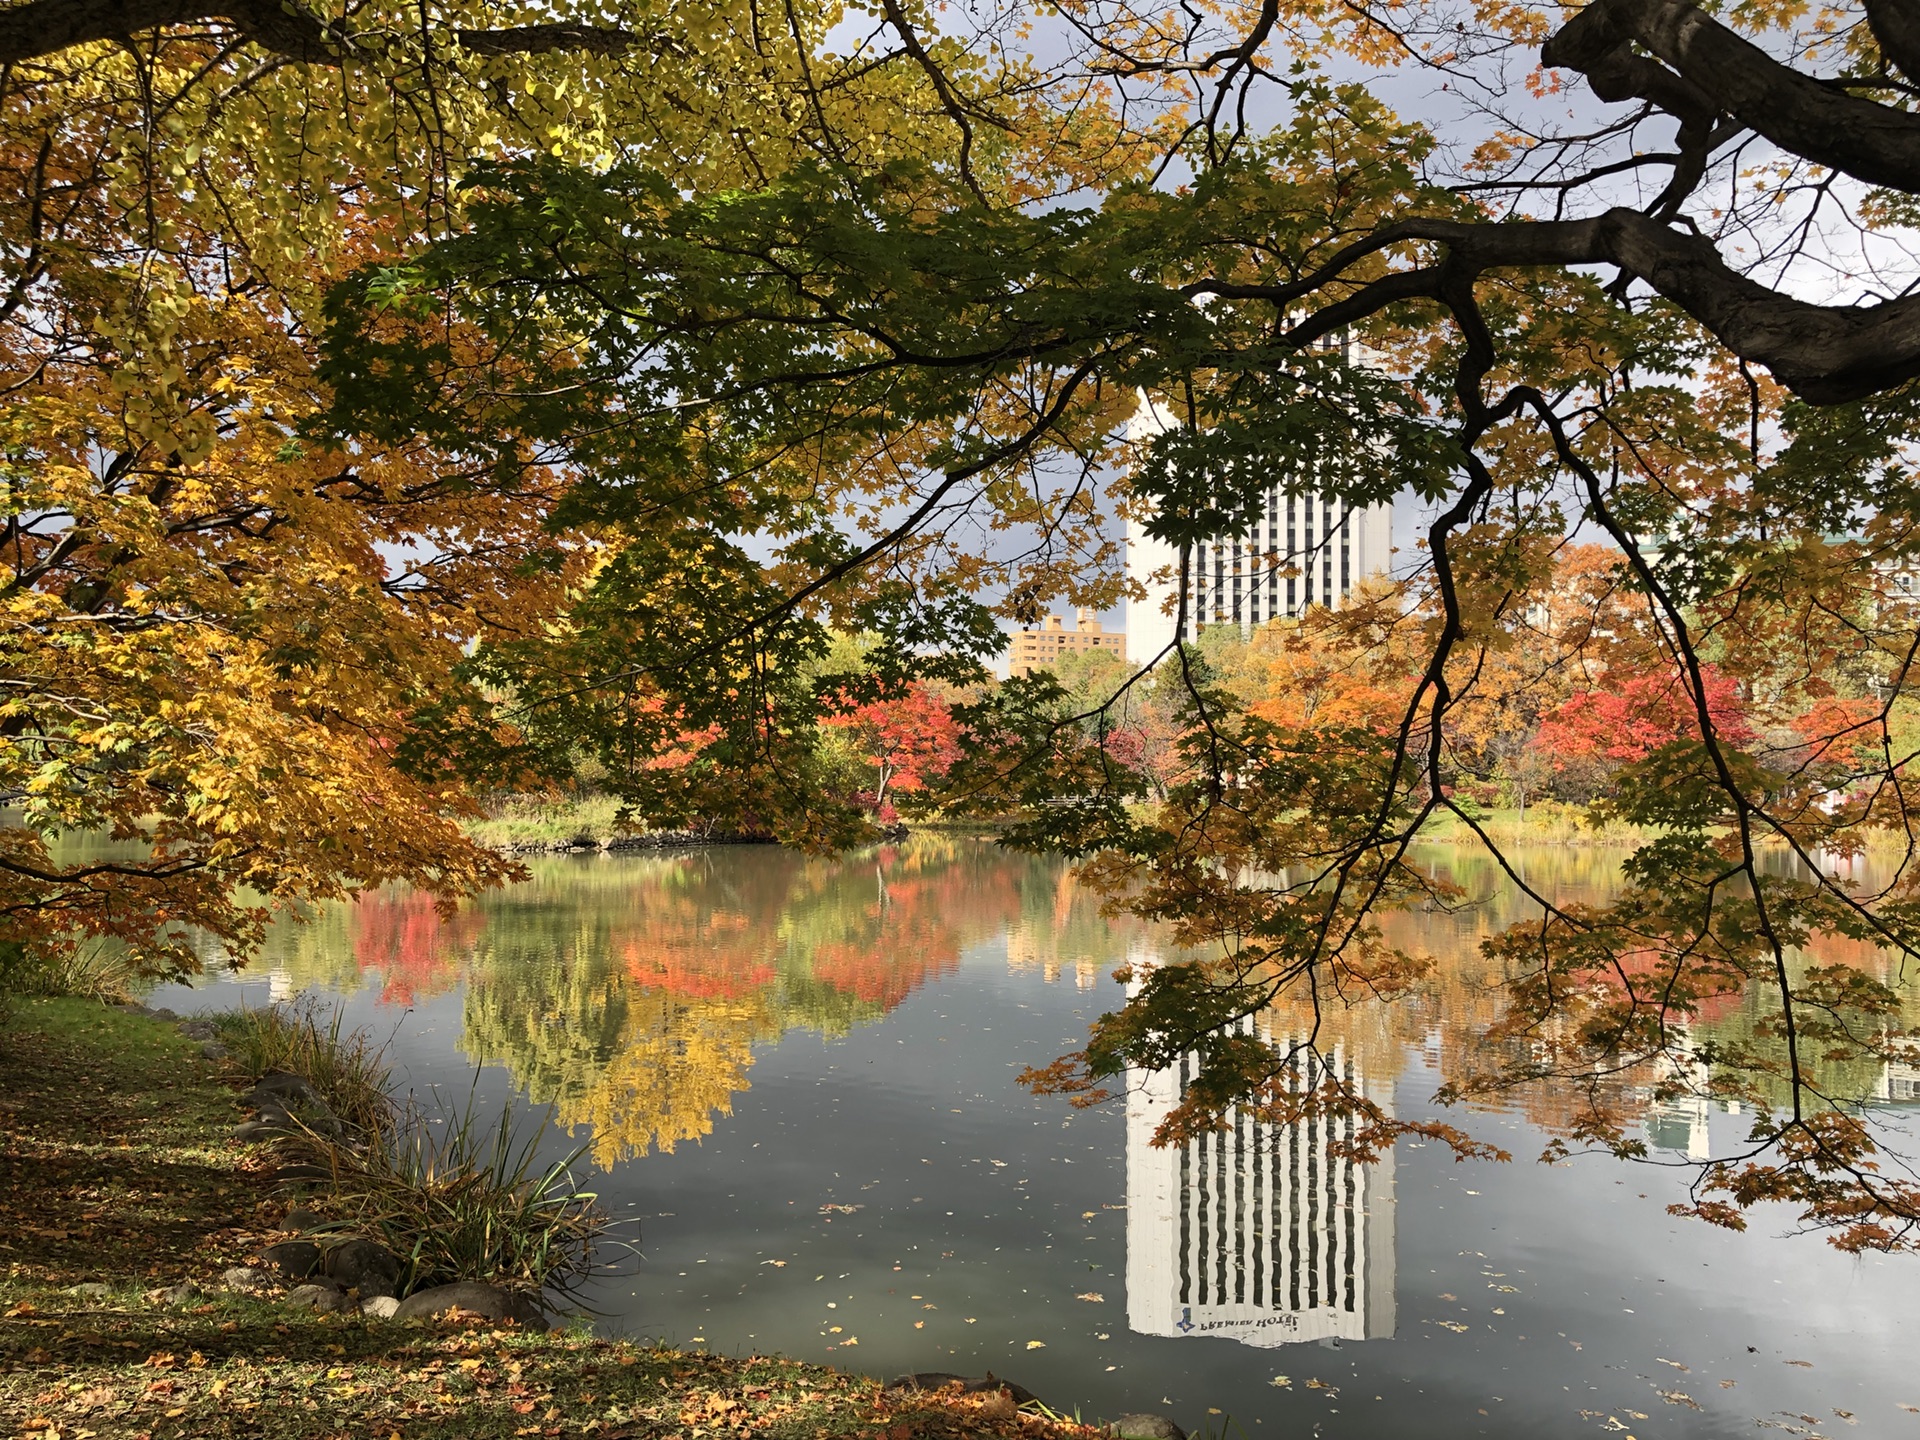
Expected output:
{"points": [[798, 1078]]}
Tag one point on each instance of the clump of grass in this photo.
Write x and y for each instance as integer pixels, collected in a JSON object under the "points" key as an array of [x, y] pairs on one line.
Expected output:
{"points": [[344, 1067], [459, 1197], [93, 969], [456, 1197]]}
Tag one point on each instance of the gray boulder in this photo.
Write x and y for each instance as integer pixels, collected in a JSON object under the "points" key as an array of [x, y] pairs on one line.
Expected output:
{"points": [[328, 1299], [198, 1029], [286, 1089], [214, 1050], [1145, 1427], [363, 1265], [487, 1301], [300, 1220], [295, 1259], [247, 1277], [302, 1175], [380, 1307]]}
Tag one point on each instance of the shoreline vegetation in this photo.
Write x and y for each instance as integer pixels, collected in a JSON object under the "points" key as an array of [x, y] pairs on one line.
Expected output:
{"points": [[555, 824], [146, 1291], [563, 824]]}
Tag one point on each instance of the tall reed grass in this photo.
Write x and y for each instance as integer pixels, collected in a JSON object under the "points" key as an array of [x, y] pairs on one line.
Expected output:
{"points": [[345, 1067], [462, 1196], [96, 969], [457, 1195]]}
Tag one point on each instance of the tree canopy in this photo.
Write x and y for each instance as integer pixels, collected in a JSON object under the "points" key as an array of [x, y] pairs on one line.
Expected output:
{"points": [[614, 368]]}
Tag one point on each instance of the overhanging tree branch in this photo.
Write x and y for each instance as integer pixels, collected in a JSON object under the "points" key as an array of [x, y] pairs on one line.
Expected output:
{"points": [[1711, 65], [41, 28]]}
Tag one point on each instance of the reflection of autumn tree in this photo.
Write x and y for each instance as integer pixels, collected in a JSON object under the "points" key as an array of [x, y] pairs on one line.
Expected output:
{"points": [[404, 935], [630, 995], [1060, 924]]}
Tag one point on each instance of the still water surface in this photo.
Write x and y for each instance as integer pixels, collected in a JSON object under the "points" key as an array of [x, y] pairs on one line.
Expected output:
{"points": [[797, 1076]]}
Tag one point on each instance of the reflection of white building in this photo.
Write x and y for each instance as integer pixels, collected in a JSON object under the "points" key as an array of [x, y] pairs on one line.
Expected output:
{"points": [[1257, 1233], [1304, 549], [1899, 1083]]}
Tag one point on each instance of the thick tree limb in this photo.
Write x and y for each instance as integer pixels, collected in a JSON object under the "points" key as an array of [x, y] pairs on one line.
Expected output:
{"points": [[1868, 141], [45, 27], [1896, 25], [1824, 353]]}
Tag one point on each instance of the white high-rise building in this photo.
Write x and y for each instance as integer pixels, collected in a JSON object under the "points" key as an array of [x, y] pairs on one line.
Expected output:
{"points": [[1259, 1233], [1304, 549]]}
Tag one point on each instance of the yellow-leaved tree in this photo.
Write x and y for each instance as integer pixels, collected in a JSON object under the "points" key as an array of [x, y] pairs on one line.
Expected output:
{"points": [[233, 645]]}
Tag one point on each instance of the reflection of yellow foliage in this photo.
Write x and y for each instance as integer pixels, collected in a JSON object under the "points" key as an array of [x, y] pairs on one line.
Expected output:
{"points": [[629, 995], [1066, 928], [676, 1067]]}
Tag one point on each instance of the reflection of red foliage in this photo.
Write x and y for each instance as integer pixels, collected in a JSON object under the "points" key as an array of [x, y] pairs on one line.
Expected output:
{"points": [[718, 970], [912, 943], [1636, 714], [415, 948], [1650, 972]]}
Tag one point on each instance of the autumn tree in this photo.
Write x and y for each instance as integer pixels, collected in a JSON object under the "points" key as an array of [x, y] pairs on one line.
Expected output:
{"points": [[278, 665], [1618, 326]]}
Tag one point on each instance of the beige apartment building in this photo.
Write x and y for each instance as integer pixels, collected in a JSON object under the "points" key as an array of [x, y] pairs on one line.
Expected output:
{"points": [[1039, 649]]}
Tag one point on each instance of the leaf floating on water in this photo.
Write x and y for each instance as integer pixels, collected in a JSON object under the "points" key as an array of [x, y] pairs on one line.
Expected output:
{"points": [[1284, 1382], [1676, 1397], [1089, 1214], [1453, 1325], [1036, 1344], [840, 1209], [919, 1324], [1674, 1363], [1803, 1364], [855, 1340], [969, 1319], [781, 1264], [1094, 1295], [1449, 1297]]}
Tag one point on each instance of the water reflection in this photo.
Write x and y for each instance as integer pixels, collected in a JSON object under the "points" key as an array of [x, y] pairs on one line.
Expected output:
{"points": [[1265, 1234], [632, 994], [956, 1220]]}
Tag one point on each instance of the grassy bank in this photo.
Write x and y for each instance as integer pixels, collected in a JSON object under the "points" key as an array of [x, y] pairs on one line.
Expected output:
{"points": [[526, 821], [1547, 823], [114, 1175]]}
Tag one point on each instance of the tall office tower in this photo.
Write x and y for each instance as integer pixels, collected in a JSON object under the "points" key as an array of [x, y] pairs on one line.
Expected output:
{"points": [[1304, 549], [1257, 1233]]}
